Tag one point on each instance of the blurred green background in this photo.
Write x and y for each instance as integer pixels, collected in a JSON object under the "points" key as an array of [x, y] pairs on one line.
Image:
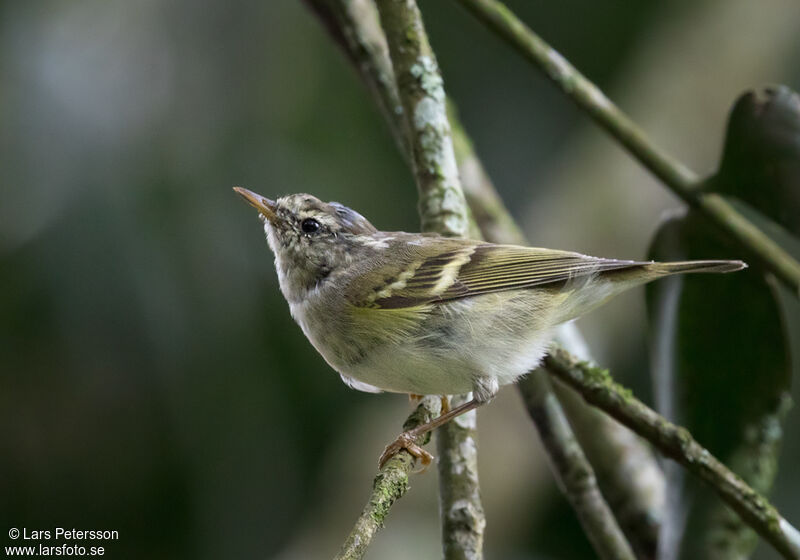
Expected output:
{"points": [[151, 378]]}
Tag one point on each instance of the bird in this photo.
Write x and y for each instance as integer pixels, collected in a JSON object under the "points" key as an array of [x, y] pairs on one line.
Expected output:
{"points": [[424, 314]]}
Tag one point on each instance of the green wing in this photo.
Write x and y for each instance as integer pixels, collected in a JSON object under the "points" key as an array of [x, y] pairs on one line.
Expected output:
{"points": [[456, 269]]}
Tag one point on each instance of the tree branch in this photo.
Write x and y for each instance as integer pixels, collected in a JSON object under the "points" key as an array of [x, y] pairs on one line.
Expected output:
{"points": [[573, 471], [443, 209], [678, 178], [631, 478], [598, 388], [354, 24], [490, 214], [461, 512], [390, 484]]}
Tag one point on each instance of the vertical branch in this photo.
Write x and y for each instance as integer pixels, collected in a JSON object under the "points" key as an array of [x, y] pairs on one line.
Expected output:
{"points": [[443, 209], [463, 521], [354, 25], [630, 476]]}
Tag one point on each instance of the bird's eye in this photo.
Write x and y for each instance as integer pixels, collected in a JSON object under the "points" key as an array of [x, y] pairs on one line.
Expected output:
{"points": [[309, 225]]}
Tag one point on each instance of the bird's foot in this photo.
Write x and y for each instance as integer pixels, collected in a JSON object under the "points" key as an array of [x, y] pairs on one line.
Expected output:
{"points": [[407, 441]]}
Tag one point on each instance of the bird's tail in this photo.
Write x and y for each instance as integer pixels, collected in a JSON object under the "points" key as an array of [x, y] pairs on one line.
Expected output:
{"points": [[608, 283], [681, 267]]}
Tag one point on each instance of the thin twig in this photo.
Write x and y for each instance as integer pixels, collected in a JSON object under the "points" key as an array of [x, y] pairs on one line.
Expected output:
{"points": [[355, 26], [677, 177], [630, 475], [573, 471], [389, 485], [598, 388]]}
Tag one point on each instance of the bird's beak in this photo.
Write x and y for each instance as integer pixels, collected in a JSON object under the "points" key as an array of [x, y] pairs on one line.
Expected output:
{"points": [[264, 205]]}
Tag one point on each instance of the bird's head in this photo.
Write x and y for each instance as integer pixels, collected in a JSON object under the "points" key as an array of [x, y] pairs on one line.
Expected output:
{"points": [[310, 238]]}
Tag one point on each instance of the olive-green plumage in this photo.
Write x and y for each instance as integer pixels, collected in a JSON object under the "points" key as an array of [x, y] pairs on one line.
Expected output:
{"points": [[425, 314]]}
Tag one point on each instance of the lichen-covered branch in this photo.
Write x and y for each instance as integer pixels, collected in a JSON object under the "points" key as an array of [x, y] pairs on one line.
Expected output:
{"points": [[598, 388], [389, 485], [354, 24], [573, 471], [443, 208], [630, 478], [682, 181], [462, 517]]}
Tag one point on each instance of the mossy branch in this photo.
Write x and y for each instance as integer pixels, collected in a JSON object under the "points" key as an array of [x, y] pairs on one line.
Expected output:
{"points": [[598, 388], [677, 177], [390, 484], [355, 26]]}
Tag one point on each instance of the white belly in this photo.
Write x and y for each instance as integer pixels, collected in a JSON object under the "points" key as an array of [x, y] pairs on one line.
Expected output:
{"points": [[451, 353]]}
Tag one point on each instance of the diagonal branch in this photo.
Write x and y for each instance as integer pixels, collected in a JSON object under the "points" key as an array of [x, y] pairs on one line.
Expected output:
{"points": [[390, 484], [355, 26], [599, 389], [573, 471], [678, 178]]}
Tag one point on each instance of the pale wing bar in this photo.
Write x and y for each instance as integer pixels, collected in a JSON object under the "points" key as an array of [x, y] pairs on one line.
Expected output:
{"points": [[492, 268]]}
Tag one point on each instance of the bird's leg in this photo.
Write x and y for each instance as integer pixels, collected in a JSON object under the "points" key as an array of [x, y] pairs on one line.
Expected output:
{"points": [[408, 439], [445, 404]]}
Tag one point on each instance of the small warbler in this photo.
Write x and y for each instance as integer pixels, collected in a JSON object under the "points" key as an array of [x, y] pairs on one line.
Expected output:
{"points": [[424, 314]]}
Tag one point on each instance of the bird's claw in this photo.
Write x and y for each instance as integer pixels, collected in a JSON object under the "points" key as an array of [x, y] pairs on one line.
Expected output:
{"points": [[405, 441]]}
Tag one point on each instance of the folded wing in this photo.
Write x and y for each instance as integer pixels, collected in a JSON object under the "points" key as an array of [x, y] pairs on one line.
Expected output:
{"points": [[462, 269]]}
